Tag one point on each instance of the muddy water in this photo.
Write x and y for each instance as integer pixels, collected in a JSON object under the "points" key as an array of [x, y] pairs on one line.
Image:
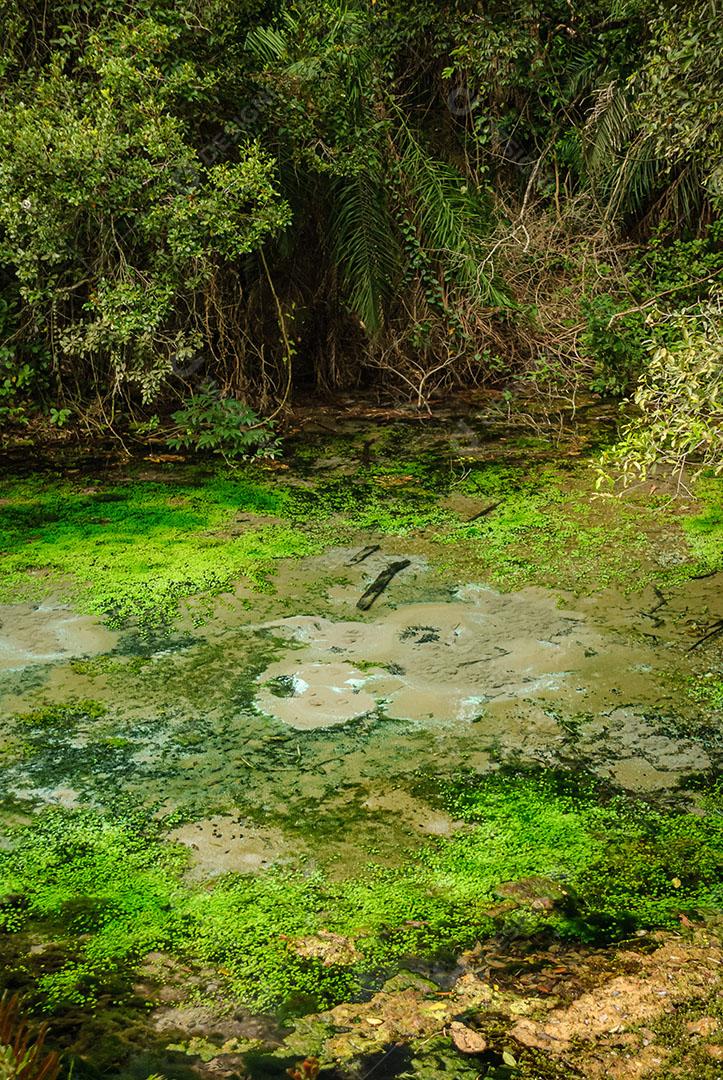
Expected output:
{"points": [[287, 728], [45, 633], [311, 735]]}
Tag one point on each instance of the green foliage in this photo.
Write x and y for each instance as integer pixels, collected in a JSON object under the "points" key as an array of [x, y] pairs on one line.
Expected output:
{"points": [[109, 890], [530, 71], [680, 108], [662, 280], [352, 183], [653, 139], [21, 371], [375, 175], [110, 222], [222, 425], [617, 345], [680, 399]]}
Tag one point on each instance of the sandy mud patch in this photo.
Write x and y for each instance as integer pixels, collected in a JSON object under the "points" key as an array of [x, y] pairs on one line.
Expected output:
{"points": [[446, 662], [315, 695], [44, 633], [224, 845]]}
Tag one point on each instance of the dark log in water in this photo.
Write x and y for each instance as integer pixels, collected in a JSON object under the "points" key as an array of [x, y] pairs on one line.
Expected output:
{"points": [[378, 586], [364, 554]]}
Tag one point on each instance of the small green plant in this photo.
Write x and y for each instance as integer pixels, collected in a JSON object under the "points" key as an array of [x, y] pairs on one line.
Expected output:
{"points": [[223, 425], [59, 417]]}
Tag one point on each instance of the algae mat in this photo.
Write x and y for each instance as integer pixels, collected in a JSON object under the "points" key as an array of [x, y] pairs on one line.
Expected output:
{"points": [[235, 809]]}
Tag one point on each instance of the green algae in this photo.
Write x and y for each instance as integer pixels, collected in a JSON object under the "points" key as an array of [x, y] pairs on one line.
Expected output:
{"points": [[550, 526], [79, 744], [707, 691], [106, 886], [135, 549], [704, 531], [109, 889]]}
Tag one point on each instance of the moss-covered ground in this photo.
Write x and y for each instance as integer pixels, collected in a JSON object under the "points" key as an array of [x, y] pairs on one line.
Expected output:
{"points": [[132, 548], [106, 889], [90, 883]]}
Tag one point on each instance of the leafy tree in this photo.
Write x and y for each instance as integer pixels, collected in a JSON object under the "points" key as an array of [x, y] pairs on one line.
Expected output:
{"points": [[267, 192]]}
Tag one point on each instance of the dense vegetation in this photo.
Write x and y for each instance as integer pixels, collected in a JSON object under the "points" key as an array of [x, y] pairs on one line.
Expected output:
{"points": [[109, 891], [205, 207]]}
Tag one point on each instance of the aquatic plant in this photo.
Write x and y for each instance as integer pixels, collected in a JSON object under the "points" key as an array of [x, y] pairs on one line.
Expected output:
{"points": [[133, 553], [110, 889]]}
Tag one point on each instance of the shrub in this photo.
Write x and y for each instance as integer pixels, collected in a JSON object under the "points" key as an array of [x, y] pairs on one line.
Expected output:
{"points": [[223, 425], [680, 403]]}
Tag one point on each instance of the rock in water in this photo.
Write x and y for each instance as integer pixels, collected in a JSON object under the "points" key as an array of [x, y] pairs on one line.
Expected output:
{"points": [[466, 1040]]}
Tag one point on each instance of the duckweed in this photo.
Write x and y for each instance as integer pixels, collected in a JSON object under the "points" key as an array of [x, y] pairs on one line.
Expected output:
{"points": [[109, 889]]}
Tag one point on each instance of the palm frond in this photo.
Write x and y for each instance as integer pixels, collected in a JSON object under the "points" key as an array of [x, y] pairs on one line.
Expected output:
{"points": [[621, 164], [268, 44], [625, 168], [581, 70], [610, 126], [450, 215], [364, 244]]}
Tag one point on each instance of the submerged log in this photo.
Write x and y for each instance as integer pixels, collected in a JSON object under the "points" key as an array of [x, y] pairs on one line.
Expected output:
{"points": [[378, 586], [482, 513], [364, 554]]}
